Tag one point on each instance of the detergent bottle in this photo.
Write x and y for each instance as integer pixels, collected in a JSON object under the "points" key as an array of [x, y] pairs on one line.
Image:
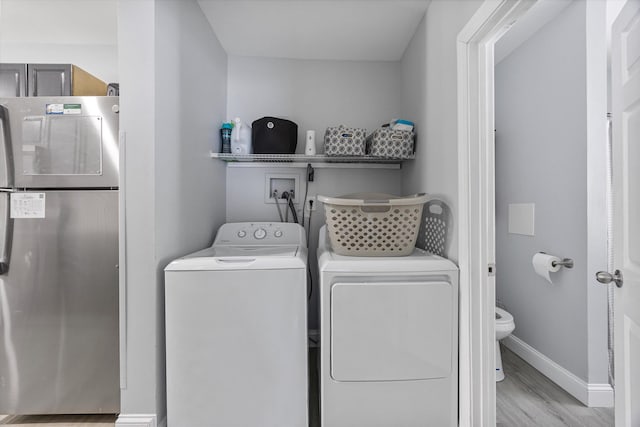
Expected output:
{"points": [[240, 138]]}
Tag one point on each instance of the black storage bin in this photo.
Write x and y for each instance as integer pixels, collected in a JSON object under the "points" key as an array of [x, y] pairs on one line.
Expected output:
{"points": [[270, 135]]}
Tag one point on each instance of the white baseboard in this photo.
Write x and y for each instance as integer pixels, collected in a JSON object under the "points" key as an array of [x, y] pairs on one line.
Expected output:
{"points": [[600, 396], [592, 395], [136, 420]]}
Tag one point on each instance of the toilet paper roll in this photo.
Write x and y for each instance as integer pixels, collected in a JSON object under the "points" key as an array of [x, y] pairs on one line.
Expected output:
{"points": [[543, 265]]}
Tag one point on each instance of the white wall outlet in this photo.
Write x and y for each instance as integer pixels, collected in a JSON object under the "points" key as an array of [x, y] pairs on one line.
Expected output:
{"points": [[278, 184], [310, 206]]}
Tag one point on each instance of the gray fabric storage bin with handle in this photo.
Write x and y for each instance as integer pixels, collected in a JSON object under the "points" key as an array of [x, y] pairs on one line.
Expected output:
{"points": [[345, 141], [388, 143]]}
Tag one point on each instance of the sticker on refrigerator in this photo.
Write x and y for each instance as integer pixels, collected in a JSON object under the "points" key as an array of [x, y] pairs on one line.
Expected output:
{"points": [[27, 205], [67, 109]]}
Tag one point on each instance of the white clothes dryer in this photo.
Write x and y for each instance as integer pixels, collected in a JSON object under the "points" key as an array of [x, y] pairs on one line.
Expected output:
{"points": [[389, 340], [236, 330]]}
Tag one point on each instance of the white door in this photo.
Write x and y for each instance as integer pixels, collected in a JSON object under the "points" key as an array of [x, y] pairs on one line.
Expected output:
{"points": [[625, 57]]}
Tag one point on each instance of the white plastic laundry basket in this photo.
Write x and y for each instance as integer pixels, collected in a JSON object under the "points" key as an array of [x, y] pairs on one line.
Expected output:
{"points": [[373, 224]]}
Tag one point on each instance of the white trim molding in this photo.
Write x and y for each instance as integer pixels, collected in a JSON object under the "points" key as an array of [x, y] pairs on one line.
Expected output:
{"points": [[477, 389], [592, 395], [137, 420], [600, 396]]}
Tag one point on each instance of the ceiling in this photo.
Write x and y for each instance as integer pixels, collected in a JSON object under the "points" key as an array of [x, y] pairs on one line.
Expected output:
{"points": [[361, 30], [87, 22]]}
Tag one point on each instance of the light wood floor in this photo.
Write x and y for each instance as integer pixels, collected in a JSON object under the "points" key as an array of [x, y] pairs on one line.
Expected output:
{"points": [[101, 420], [526, 398]]}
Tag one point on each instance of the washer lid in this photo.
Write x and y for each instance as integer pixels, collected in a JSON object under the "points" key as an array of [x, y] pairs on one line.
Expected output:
{"points": [[249, 257], [252, 251]]}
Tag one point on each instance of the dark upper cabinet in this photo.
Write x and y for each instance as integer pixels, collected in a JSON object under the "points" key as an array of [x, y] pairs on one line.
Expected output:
{"points": [[13, 80], [48, 80]]}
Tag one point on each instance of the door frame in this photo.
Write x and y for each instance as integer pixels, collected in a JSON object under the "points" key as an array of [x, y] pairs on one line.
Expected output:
{"points": [[476, 217]]}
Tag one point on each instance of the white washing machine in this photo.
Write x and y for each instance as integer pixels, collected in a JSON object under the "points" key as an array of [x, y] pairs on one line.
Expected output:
{"points": [[389, 340], [236, 330]]}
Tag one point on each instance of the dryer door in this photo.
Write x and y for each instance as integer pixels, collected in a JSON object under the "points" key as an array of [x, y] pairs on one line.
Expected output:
{"points": [[392, 331]]}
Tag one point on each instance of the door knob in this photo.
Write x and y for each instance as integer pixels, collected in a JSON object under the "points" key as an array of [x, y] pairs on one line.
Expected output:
{"points": [[606, 277]]}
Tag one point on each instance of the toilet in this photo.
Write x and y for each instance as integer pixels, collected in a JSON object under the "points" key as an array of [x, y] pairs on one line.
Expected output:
{"points": [[504, 326]]}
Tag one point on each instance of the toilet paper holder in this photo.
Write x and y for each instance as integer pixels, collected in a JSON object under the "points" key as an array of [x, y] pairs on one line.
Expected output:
{"points": [[567, 262]]}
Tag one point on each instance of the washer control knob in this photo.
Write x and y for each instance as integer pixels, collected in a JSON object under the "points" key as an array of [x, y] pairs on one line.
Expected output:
{"points": [[260, 233], [242, 234], [278, 233]]}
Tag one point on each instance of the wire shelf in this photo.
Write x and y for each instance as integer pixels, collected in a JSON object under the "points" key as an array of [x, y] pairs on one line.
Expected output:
{"points": [[303, 158]]}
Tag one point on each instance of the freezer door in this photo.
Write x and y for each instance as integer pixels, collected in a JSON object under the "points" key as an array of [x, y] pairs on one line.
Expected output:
{"points": [[59, 305], [49, 79], [13, 80], [64, 142]]}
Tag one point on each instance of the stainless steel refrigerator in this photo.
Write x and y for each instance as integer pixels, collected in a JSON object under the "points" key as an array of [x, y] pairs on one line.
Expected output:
{"points": [[59, 255]]}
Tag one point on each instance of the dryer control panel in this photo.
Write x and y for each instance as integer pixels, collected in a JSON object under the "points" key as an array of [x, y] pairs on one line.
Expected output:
{"points": [[260, 233]]}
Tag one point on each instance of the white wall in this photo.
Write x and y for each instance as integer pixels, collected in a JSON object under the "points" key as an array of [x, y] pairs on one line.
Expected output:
{"points": [[80, 32], [435, 169], [550, 111], [173, 102], [613, 9], [190, 108], [314, 94], [191, 91], [136, 37], [414, 107]]}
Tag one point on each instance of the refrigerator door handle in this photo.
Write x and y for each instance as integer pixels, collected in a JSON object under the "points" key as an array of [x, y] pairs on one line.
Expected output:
{"points": [[6, 231], [6, 153], [34, 84]]}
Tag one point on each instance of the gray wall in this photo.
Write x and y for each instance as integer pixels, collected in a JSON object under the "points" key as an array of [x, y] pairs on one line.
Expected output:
{"points": [[434, 104], [172, 104], [314, 94], [542, 157]]}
